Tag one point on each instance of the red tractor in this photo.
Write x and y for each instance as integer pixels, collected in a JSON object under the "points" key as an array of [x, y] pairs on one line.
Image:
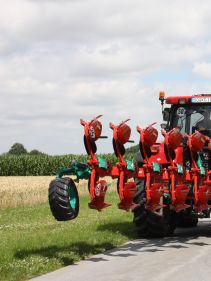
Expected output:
{"points": [[184, 161], [169, 183]]}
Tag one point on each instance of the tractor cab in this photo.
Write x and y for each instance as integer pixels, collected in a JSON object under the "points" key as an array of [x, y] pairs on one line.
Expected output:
{"points": [[188, 113]]}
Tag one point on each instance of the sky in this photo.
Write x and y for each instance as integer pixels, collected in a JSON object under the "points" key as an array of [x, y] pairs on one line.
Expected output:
{"points": [[69, 59]]}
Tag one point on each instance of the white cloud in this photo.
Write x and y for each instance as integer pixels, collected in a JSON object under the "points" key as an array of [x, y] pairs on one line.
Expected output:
{"points": [[202, 69], [62, 60]]}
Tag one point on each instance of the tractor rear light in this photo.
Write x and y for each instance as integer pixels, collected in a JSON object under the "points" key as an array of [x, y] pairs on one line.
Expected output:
{"points": [[155, 148]]}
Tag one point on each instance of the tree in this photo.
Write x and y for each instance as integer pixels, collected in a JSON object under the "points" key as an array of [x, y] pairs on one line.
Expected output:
{"points": [[133, 149], [36, 152], [17, 149]]}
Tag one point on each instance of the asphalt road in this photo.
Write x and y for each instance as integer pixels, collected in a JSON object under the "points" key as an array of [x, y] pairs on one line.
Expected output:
{"points": [[184, 257]]}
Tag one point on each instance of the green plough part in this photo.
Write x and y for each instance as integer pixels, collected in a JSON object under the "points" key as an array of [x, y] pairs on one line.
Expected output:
{"points": [[200, 165], [130, 165], [80, 170], [179, 169], [155, 167], [102, 163]]}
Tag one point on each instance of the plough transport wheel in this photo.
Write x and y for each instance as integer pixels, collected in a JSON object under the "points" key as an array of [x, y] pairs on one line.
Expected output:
{"points": [[63, 199], [151, 224]]}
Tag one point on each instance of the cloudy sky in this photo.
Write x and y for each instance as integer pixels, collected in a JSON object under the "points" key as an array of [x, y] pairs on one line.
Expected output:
{"points": [[62, 60]]}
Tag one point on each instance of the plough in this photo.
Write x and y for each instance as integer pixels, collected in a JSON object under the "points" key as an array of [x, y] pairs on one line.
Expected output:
{"points": [[169, 184]]}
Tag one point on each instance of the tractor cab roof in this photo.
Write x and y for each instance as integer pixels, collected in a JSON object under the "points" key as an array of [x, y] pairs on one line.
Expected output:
{"points": [[195, 99]]}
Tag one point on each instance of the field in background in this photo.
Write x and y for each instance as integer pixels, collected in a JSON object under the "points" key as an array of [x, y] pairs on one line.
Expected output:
{"points": [[19, 191], [44, 165]]}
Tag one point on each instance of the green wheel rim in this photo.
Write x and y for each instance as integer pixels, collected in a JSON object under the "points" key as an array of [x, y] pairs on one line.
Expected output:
{"points": [[72, 198]]}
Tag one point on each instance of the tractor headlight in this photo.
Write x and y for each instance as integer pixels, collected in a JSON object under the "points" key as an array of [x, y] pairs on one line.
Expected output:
{"points": [[182, 101]]}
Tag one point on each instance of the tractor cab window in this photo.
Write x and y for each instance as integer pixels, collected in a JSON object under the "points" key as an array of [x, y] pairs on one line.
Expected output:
{"points": [[196, 119], [189, 118]]}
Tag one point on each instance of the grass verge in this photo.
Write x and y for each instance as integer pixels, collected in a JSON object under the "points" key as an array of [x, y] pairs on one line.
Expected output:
{"points": [[33, 243]]}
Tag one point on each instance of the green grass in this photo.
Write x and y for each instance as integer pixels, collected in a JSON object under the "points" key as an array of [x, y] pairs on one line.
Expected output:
{"points": [[33, 242]]}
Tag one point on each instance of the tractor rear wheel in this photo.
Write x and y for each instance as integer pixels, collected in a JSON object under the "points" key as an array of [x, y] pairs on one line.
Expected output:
{"points": [[63, 199], [152, 224], [187, 219]]}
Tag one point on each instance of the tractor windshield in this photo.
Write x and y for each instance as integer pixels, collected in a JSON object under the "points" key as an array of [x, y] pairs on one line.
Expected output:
{"points": [[191, 117]]}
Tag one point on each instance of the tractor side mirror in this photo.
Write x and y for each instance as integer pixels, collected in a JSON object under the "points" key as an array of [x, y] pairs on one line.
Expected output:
{"points": [[166, 114]]}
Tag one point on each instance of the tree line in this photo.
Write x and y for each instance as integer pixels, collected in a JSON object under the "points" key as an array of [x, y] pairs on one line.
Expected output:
{"points": [[19, 149]]}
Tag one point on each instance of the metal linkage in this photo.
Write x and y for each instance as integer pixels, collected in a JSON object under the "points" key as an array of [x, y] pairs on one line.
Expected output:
{"points": [[124, 169], [99, 167]]}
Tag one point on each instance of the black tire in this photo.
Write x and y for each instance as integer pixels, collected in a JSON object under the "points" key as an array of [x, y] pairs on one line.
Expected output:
{"points": [[187, 219], [151, 224], [63, 199]]}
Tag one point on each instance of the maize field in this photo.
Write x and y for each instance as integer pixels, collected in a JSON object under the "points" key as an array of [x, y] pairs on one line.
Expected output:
{"points": [[41, 165]]}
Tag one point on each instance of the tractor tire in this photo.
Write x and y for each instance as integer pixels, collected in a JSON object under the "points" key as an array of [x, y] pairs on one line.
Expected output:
{"points": [[63, 199], [186, 219], [150, 224]]}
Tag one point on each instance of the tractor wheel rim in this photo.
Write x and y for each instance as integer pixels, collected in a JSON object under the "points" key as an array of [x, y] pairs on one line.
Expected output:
{"points": [[72, 198]]}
